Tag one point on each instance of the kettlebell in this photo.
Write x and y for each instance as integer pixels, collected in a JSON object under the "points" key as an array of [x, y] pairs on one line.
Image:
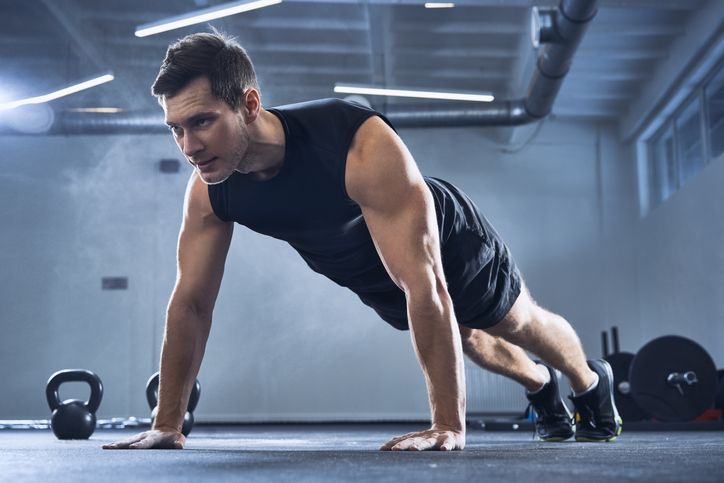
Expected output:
{"points": [[152, 398], [73, 418]]}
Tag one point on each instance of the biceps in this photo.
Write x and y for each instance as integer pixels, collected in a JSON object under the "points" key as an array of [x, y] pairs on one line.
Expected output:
{"points": [[202, 253]]}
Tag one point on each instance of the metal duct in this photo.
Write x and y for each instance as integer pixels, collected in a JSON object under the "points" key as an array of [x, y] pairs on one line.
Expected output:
{"points": [[507, 113], [558, 30], [80, 123], [121, 123]]}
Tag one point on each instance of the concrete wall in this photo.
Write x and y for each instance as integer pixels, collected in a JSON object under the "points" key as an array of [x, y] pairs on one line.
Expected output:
{"points": [[286, 343], [680, 263]]}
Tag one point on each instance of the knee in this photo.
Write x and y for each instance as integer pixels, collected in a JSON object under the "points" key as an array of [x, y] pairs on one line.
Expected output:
{"points": [[516, 325], [477, 342], [466, 337]]}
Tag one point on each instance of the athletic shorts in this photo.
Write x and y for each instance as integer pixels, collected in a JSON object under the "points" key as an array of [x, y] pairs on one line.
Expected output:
{"points": [[483, 279]]}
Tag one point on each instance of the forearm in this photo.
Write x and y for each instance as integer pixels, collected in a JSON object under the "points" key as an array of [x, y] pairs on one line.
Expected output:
{"points": [[437, 343], [183, 350]]}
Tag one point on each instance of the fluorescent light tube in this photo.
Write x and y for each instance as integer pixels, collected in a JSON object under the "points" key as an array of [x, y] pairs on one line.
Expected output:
{"points": [[378, 91], [200, 16], [59, 93], [97, 110], [439, 5]]}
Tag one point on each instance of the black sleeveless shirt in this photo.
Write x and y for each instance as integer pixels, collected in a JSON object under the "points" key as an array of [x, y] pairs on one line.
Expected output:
{"points": [[306, 204]]}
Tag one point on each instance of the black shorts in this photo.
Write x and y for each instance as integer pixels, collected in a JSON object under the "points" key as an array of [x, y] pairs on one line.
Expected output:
{"points": [[483, 279]]}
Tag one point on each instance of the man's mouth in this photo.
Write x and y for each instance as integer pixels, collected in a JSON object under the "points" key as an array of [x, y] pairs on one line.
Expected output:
{"points": [[204, 163]]}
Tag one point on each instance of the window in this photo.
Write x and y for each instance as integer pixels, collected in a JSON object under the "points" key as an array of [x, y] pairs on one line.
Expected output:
{"points": [[690, 154], [714, 98], [663, 166], [687, 140]]}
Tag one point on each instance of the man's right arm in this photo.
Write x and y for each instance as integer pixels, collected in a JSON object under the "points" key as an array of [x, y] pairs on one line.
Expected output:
{"points": [[202, 248]]}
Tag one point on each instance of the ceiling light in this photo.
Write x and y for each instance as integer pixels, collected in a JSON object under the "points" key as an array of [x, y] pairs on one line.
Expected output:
{"points": [[199, 16], [439, 5], [101, 110], [59, 93], [378, 91]]}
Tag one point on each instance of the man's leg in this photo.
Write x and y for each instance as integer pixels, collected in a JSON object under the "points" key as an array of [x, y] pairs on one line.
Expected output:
{"points": [[547, 335], [553, 419], [552, 338], [502, 357]]}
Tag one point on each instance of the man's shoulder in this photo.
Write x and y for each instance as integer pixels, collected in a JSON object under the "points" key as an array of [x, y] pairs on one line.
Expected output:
{"points": [[319, 105]]}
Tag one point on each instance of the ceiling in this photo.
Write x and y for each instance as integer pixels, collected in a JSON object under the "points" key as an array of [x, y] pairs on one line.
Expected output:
{"points": [[302, 48]]}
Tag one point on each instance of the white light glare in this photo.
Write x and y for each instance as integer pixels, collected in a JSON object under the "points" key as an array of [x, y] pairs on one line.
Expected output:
{"points": [[98, 110], [59, 93], [439, 5], [199, 16], [377, 91]]}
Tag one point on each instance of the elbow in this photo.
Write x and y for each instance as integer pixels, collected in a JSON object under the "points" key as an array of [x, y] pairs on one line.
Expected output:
{"points": [[189, 308], [427, 296]]}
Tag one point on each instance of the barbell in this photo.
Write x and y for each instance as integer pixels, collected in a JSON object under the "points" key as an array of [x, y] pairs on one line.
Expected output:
{"points": [[671, 378]]}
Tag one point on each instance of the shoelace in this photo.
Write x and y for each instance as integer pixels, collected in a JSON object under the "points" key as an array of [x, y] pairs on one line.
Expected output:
{"points": [[588, 415], [531, 414]]}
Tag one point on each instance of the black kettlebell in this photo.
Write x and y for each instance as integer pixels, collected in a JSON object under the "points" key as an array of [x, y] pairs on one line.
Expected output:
{"points": [[73, 418], [152, 398]]}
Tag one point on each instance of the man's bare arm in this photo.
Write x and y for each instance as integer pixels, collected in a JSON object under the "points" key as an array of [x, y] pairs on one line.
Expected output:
{"points": [[202, 248], [398, 208]]}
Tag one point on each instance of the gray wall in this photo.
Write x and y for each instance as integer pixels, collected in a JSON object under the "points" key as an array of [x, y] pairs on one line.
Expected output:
{"points": [[286, 343], [680, 263]]}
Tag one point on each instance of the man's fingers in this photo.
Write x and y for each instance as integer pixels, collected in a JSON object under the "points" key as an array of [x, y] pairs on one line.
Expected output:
{"points": [[424, 440], [150, 439], [414, 444], [430, 443], [448, 444], [388, 445], [123, 444], [143, 444]]}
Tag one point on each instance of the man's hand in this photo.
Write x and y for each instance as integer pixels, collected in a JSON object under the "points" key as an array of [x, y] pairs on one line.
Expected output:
{"points": [[431, 439], [154, 439]]}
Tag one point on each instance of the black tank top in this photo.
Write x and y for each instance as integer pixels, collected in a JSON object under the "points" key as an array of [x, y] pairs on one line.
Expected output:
{"points": [[306, 203]]}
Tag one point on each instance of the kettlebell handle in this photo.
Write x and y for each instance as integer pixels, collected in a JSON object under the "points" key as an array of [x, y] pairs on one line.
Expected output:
{"points": [[74, 375], [152, 393]]}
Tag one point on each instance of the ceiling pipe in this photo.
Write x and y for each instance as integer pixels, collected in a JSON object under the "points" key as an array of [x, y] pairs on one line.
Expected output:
{"points": [[558, 31]]}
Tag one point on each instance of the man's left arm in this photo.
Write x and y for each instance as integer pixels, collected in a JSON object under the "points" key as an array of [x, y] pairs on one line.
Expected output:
{"points": [[382, 177]]}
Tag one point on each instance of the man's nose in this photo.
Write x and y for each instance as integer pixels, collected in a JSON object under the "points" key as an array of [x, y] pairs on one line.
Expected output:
{"points": [[191, 145]]}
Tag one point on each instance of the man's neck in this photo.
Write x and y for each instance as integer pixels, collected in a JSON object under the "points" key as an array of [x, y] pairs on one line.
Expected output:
{"points": [[267, 145]]}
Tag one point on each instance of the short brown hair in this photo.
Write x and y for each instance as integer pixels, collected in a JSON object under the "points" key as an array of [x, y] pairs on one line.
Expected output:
{"points": [[215, 55]]}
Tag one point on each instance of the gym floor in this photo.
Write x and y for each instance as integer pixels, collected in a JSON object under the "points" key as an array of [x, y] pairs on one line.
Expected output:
{"points": [[349, 453]]}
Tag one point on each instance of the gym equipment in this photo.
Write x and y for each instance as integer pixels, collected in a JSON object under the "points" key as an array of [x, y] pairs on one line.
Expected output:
{"points": [[673, 379], [719, 401], [73, 418], [620, 364], [152, 398]]}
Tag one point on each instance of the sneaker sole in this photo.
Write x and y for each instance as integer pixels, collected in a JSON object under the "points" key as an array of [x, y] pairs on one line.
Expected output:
{"points": [[592, 440], [619, 427], [556, 439]]}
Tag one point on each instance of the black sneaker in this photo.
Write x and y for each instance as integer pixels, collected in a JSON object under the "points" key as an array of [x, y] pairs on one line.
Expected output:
{"points": [[596, 416], [553, 420]]}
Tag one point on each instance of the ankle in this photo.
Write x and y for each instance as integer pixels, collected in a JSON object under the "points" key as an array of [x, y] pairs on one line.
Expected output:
{"points": [[539, 383], [590, 384]]}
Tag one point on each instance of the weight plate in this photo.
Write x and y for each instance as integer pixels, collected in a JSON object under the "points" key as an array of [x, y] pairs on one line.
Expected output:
{"points": [[651, 369], [628, 409], [719, 401]]}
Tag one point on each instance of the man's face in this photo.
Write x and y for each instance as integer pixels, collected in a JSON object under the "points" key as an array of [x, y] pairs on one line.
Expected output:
{"points": [[212, 136]]}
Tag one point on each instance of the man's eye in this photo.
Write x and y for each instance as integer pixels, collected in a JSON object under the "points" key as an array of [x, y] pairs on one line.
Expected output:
{"points": [[202, 122], [175, 129]]}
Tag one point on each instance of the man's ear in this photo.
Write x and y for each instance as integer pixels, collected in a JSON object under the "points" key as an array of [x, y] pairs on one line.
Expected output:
{"points": [[250, 104]]}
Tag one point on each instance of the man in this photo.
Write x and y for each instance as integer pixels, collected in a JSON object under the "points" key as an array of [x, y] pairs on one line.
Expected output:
{"points": [[334, 180]]}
